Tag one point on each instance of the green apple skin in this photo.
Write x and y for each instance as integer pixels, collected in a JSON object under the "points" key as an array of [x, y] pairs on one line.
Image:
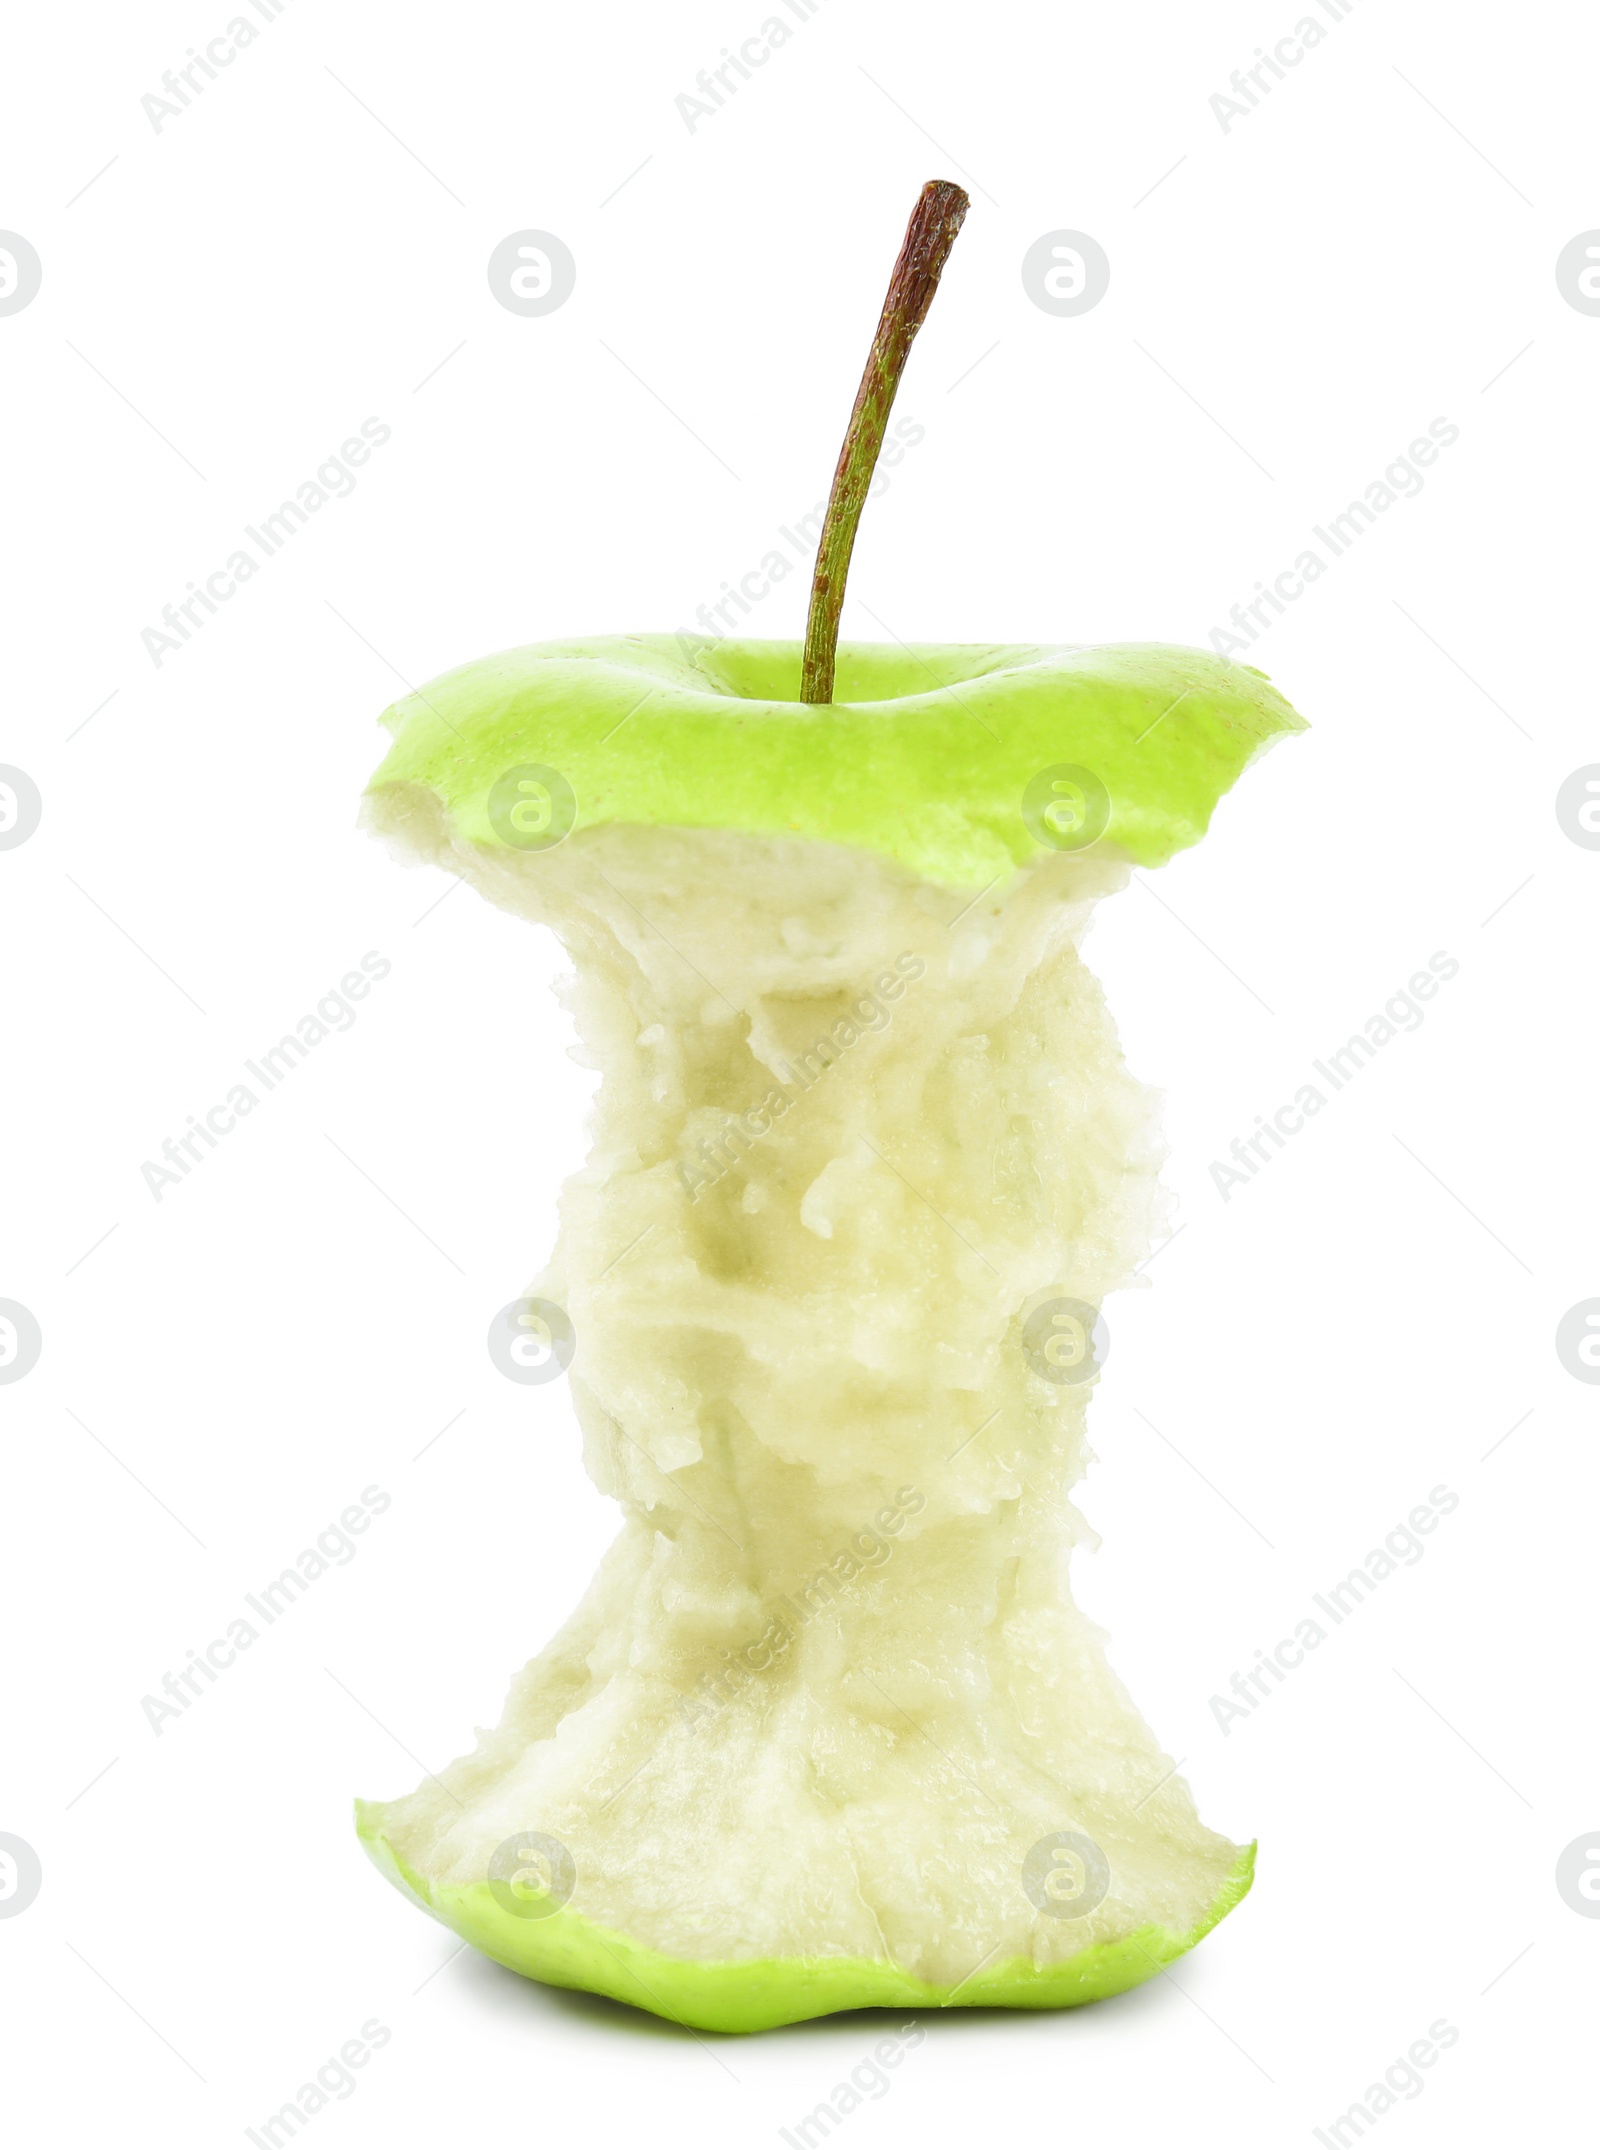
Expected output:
{"points": [[924, 756], [566, 1949]]}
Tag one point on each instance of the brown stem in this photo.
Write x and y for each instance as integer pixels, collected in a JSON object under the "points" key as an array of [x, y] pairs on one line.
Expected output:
{"points": [[929, 238]]}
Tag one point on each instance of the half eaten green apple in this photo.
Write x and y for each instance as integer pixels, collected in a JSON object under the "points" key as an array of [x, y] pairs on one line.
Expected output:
{"points": [[828, 1730]]}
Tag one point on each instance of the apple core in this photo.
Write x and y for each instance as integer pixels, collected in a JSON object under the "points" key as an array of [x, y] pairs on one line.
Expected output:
{"points": [[828, 1730]]}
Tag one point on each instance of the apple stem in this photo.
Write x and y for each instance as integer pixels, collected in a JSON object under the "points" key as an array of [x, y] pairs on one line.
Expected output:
{"points": [[928, 240]]}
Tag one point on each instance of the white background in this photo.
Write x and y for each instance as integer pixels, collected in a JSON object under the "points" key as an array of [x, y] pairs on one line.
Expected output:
{"points": [[1372, 248]]}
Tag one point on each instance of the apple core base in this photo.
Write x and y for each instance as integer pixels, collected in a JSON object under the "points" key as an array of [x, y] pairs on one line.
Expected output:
{"points": [[566, 1949]]}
